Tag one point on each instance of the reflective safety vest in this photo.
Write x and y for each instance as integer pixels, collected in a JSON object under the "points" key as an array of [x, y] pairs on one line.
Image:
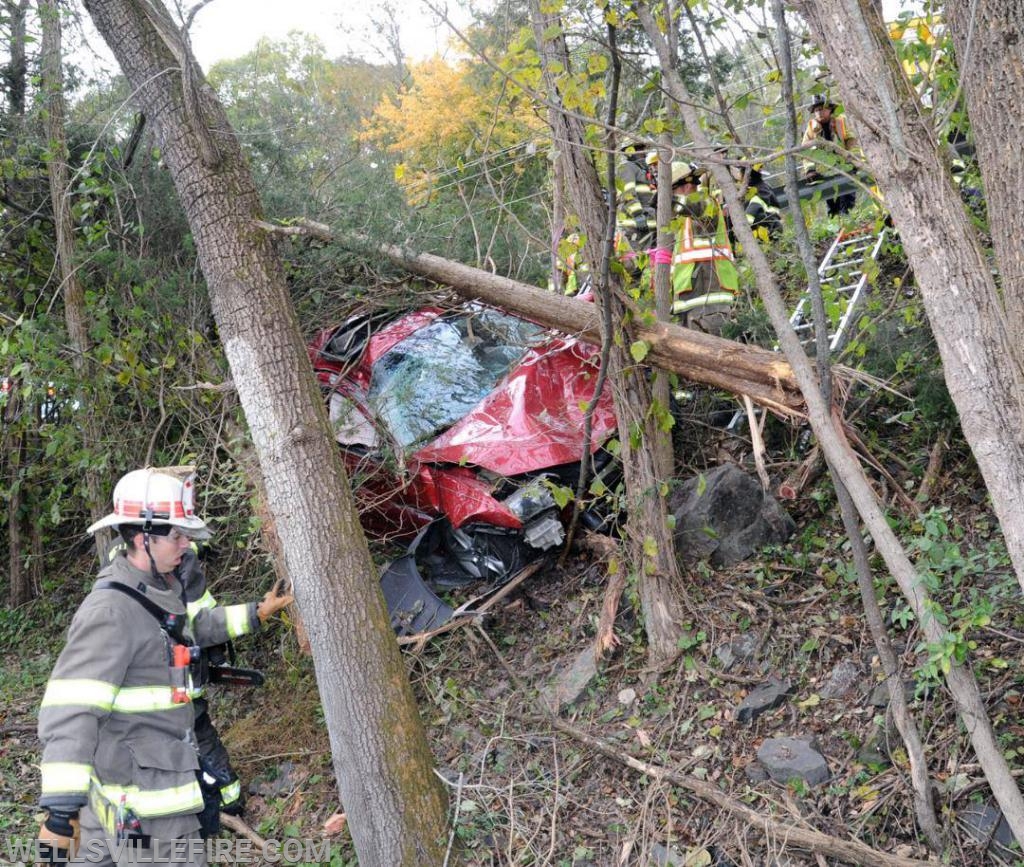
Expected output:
{"points": [[837, 133], [764, 218], [112, 733], [696, 247], [210, 624]]}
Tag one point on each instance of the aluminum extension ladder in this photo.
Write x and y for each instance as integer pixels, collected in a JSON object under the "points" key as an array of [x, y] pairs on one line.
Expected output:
{"points": [[844, 284]]}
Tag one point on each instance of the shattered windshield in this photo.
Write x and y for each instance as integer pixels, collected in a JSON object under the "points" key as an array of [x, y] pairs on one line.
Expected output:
{"points": [[427, 382]]}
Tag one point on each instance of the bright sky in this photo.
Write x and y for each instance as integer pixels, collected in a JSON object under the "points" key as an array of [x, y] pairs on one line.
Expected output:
{"points": [[229, 28], [225, 29]]}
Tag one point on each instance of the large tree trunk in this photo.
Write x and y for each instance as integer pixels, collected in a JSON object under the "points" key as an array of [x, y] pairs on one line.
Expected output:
{"points": [[71, 286], [395, 804], [981, 354], [650, 545], [905, 723], [14, 73], [929, 614], [987, 35], [12, 444]]}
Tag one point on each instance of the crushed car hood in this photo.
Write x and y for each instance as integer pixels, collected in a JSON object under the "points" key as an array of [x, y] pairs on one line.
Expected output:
{"points": [[534, 418]]}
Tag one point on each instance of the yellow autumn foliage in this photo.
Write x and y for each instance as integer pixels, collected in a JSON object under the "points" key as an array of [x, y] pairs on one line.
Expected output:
{"points": [[450, 114]]}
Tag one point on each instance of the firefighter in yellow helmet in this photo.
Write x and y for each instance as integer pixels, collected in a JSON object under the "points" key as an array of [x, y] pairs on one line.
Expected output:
{"points": [[121, 776], [704, 278], [826, 125]]}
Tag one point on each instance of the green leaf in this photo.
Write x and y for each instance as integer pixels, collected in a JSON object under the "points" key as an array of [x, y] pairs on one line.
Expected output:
{"points": [[561, 495], [639, 350]]}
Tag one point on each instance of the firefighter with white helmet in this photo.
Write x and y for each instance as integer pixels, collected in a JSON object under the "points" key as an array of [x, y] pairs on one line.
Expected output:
{"points": [[120, 765]]}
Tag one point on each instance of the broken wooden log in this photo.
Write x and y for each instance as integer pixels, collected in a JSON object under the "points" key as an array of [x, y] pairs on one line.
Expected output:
{"points": [[735, 367]]}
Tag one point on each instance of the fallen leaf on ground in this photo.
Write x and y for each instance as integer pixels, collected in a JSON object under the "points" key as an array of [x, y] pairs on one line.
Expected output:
{"points": [[335, 824]]}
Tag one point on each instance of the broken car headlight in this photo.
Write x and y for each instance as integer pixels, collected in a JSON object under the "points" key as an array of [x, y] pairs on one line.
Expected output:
{"points": [[530, 500]]}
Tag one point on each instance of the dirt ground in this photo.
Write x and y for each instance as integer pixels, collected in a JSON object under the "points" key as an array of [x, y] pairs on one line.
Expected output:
{"points": [[524, 792]]}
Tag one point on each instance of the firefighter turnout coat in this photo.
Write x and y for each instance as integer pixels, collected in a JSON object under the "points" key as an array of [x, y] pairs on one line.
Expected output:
{"points": [[703, 267], [113, 736]]}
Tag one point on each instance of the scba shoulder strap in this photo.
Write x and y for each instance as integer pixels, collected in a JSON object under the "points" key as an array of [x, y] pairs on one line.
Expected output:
{"points": [[172, 624]]}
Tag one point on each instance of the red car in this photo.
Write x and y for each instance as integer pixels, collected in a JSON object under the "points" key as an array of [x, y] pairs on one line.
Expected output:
{"points": [[459, 428]]}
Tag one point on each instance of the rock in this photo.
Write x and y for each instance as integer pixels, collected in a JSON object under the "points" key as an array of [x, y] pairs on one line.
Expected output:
{"points": [[786, 758], [756, 773], [880, 694], [627, 696], [841, 680], [872, 751], [670, 856], [761, 699], [666, 856], [740, 649], [569, 684], [729, 520], [986, 824], [286, 778]]}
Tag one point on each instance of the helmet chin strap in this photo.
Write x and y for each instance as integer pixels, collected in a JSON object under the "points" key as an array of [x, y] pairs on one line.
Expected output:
{"points": [[146, 527]]}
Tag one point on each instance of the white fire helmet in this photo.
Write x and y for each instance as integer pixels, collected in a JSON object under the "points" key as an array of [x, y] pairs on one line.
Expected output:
{"points": [[160, 495]]}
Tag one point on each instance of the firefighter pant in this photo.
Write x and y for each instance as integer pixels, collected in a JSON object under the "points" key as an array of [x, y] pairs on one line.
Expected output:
{"points": [[97, 848], [708, 318], [215, 755]]}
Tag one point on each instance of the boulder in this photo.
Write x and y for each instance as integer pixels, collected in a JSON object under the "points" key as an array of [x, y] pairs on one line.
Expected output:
{"points": [[842, 680], [788, 758], [724, 516], [743, 648], [986, 824], [761, 699]]}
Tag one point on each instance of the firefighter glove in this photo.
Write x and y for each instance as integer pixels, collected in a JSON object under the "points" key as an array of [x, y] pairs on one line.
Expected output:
{"points": [[279, 596], [59, 836]]}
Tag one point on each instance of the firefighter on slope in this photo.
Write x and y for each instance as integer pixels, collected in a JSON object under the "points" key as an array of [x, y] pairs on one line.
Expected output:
{"points": [[120, 765], [827, 126], [208, 623], [704, 278], [637, 213], [762, 207]]}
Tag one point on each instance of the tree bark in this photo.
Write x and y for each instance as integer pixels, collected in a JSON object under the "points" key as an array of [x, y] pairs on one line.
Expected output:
{"points": [[395, 804], [16, 69], [13, 442], [981, 354], [987, 37], [662, 279], [930, 616], [71, 287], [650, 548], [905, 722]]}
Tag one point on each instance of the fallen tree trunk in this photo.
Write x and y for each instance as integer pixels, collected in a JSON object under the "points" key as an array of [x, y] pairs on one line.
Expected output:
{"points": [[735, 367]]}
